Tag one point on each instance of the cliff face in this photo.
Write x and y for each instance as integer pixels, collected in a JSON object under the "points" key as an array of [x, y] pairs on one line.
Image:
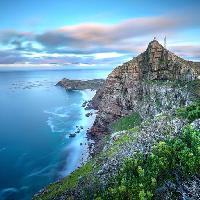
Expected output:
{"points": [[129, 87]]}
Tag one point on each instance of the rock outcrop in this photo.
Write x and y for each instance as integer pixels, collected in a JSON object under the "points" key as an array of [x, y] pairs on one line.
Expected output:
{"points": [[129, 87], [80, 84]]}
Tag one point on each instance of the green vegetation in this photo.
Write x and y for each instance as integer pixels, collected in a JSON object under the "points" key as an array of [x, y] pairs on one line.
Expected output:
{"points": [[70, 182], [191, 112], [126, 137], [194, 87], [141, 175], [127, 122]]}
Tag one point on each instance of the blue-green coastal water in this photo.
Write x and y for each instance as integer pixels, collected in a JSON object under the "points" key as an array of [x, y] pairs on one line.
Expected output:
{"points": [[36, 118]]}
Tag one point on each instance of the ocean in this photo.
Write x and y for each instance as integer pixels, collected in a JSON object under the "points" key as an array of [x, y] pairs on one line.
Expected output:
{"points": [[36, 118]]}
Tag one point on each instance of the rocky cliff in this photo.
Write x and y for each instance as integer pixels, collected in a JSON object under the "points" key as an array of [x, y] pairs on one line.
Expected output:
{"points": [[129, 88], [150, 105]]}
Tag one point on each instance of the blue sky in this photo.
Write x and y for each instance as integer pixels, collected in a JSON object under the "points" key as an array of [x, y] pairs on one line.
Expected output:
{"points": [[94, 33]]}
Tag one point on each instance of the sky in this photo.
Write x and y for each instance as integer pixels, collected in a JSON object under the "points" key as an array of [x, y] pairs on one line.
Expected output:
{"points": [[94, 33]]}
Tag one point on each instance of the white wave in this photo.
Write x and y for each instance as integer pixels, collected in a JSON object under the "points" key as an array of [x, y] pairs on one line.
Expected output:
{"points": [[58, 111], [57, 114], [56, 118], [54, 128], [88, 94], [42, 172], [79, 153], [7, 191]]}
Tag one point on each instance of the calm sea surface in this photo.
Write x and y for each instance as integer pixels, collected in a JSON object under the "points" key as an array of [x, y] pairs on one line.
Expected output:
{"points": [[36, 119]]}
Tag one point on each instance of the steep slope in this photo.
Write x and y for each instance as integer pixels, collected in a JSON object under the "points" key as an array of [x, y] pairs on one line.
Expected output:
{"points": [[128, 88], [150, 105]]}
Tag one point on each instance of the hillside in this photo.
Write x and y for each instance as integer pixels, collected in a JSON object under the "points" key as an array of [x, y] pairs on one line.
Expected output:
{"points": [[147, 131], [128, 87]]}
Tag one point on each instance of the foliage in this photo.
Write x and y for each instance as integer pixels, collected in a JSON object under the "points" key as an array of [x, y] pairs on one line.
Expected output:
{"points": [[127, 122], [141, 175], [194, 87], [191, 112], [71, 181]]}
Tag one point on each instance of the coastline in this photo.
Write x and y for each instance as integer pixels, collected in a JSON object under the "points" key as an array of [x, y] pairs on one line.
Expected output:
{"points": [[81, 141], [80, 144]]}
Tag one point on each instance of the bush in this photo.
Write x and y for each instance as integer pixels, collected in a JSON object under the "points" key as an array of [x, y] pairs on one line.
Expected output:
{"points": [[191, 112], [141, 175]]}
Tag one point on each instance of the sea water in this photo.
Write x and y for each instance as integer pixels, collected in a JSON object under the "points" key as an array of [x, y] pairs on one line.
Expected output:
{"points": [[36, 118]]}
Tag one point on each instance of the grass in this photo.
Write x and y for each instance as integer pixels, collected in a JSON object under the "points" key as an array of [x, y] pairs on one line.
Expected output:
{"points": [[129, 136], [70, 182], [127, 122], [190, 113]]}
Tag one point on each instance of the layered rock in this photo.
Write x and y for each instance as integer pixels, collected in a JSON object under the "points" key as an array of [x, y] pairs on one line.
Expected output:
{"points": [[128, 88]]}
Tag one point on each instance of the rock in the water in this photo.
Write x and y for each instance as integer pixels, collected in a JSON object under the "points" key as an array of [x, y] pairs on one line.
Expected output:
{"points": [[88, 114], [84, 103], [72, 134]]}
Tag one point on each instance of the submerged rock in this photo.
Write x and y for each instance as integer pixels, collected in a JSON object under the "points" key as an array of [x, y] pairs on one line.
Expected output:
{"points": [[72, 134], [88, 114]]}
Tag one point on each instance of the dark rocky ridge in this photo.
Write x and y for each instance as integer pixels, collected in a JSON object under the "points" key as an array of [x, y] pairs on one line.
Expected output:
{"points": [[80, 84], [127, 87]]}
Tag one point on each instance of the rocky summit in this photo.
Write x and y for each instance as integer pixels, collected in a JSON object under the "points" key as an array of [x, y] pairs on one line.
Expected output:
{"points": [[147, 134], [128, 88]]}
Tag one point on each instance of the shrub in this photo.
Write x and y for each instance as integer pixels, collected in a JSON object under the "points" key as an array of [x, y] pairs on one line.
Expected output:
{"points": [[141, 175], [191, 112]]}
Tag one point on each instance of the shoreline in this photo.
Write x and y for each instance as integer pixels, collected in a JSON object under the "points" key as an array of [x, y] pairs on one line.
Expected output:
{"points": [[80, 144]]}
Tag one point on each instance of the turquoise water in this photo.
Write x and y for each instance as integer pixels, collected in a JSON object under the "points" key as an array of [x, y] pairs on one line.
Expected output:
{"points": [[36, 118]]}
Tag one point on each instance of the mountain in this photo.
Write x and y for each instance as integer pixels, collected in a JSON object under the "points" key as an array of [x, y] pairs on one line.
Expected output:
{"points": [[147, 133], [128, 86]]}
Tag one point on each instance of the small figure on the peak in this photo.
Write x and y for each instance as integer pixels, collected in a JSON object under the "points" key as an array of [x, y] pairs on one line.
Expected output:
{"points": [[154, 38]]}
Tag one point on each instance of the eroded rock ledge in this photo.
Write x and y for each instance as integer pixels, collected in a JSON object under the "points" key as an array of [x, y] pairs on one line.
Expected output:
{"points": [[68, 84]]}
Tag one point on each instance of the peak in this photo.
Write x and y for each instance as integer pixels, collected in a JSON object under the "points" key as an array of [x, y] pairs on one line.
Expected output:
{"points": [[155, 44]]}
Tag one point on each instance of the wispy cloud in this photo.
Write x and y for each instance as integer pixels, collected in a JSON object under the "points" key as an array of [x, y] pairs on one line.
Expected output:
{"points": [[187, 51], [95, 43]]}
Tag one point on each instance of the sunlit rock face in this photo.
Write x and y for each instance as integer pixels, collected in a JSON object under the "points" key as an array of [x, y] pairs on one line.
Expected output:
{"points": [[143, 85]]}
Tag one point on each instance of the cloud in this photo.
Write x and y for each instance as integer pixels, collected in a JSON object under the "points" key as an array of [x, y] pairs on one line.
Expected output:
{"points": [[95, 35], [187, 51], [11, 57], [90, 35], [95, 43], [7, 36]]}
